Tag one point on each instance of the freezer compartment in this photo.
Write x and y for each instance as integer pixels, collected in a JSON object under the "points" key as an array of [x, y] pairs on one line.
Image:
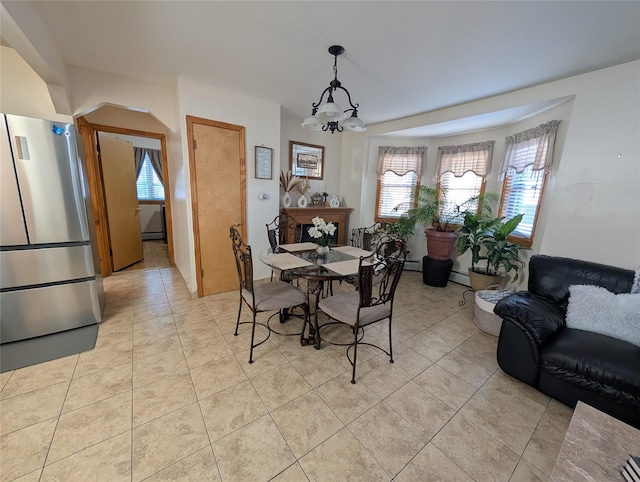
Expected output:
{"points": [[41, 311], [47, 167], [47, 265]]}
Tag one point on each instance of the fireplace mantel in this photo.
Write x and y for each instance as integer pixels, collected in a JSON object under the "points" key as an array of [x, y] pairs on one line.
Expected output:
{"points": [[330, 215]]}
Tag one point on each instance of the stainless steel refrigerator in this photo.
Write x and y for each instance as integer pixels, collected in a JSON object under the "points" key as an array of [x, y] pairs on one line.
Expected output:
{"points": [[51, 296]]}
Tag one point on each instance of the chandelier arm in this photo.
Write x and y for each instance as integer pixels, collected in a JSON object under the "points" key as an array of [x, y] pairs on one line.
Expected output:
{"points": [[353, 107], [315, 105]]}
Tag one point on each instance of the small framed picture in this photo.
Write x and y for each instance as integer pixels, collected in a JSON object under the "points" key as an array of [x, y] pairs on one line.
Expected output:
{"points": [[306, 160], [264, 158]]}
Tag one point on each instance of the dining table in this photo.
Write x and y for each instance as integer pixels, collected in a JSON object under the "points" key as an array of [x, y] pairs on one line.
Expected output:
{"points": [[301, 260]]}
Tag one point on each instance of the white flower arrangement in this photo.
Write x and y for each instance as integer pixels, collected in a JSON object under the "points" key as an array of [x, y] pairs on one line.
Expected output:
{"points": [[322, 231]]}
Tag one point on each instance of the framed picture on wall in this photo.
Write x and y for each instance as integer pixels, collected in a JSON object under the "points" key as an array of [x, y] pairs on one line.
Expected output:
{"points": [[306, 160], [264, 158]]}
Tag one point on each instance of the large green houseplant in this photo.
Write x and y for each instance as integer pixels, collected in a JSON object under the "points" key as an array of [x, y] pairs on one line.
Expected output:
{"points": [[440, 218], [487, 239]]}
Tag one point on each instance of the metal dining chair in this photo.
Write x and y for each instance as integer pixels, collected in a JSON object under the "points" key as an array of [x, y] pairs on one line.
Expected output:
{"points": [[371, 303], [272, 296]]}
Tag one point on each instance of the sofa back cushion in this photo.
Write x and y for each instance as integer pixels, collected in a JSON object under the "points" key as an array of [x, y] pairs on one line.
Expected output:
{"points": [[551, 276]]}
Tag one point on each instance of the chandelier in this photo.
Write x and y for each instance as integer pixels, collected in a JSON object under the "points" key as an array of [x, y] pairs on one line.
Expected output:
{"points": [[330, 116]]}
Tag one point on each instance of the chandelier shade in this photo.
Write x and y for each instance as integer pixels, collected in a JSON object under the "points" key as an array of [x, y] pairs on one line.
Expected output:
{"points": [[330, 116]]}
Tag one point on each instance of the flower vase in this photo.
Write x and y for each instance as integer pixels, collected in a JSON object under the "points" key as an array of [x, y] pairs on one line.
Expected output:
{"points": [[286, 200], [322, 250]]}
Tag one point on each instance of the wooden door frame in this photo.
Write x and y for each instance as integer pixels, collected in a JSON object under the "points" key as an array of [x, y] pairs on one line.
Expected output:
{"points": [[191, 120], [96, 187]]}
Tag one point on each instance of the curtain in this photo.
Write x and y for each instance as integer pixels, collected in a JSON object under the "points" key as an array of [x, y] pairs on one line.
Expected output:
{"points": [[400, 160], [155, 156], [138, 159], [463, 158], [533, 147]]}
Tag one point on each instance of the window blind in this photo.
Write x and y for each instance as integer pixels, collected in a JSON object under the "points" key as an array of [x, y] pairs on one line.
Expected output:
{"points": [[148, 184], [522, 193], [398, 172]]}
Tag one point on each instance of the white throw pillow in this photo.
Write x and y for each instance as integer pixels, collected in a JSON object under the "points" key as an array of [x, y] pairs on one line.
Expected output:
{"points": [[593, 308], [636, 281]]}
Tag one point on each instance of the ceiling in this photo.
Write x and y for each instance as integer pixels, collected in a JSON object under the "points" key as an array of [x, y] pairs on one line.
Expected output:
{"points": [[402, 58]]}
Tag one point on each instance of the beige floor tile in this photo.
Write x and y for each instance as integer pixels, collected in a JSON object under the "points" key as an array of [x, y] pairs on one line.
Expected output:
{"points": [[200, 466], [388, 437], [99, 386], [159, 398], [447, 387], [242, 342], [231, 409], [347, 400], [265, 358], [525, 472], [109, 460], [40, 376], [254, 452], [166, 440], [349, 461], [408, 361], [90, 425], [306, 422], [216, 376], [113, 333], [467, 367], [4, 378], [293, 473], [24, 451], [423, 410], [544, 446], [151, 311], [31, 407], [205, 351], [318, 367], [32, 477], [279, 386], [158, 343], [155, 367], [380, 375], [499, 420], [431, 465], [475, 451], [197, 330], [99, 359], [518, 396], [149, 327]]}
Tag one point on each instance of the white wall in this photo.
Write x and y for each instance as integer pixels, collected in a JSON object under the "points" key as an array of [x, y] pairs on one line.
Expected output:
{"points": [[22, 91], [261, 120], [293, 131], [592, 197]]}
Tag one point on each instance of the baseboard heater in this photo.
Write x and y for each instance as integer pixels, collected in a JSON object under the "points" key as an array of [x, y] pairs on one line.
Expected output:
{"points": [[412, 265]]}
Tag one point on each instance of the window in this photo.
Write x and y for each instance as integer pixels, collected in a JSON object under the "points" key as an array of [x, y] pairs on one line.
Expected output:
{"points": [[462, 172], [528, 157], [398, 174], [460, 189], [521, 193], [148, 184]]}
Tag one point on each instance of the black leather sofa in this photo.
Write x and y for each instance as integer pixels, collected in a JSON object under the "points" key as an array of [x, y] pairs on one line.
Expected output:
{"points": [[568, 364]]}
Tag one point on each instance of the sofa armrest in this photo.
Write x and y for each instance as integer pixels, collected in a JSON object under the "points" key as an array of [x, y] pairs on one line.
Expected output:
{"points": [[540, 317]]}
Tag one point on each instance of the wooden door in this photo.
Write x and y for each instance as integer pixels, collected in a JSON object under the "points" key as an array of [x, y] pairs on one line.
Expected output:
{"points": [[121, 197], [218, 192]]}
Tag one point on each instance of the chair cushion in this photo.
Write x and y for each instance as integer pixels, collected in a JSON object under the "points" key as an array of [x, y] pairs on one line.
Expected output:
{"points": [[344, 308], [602, 364], [275, 296]]}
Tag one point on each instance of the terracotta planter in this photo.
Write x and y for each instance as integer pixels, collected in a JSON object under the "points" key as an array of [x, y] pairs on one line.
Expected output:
{"points": [[440, 244], [481, 281]]}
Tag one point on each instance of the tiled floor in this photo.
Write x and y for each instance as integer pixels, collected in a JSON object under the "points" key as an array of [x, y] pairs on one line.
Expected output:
{"points": [[167, 394]]}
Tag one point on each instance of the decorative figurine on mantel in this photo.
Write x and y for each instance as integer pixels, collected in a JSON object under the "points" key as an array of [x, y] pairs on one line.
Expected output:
{"points": [[317, 200]]}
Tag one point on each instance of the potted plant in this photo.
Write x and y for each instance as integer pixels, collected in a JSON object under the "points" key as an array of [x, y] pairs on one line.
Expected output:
{"points": [[486, 237], [441, 219]]}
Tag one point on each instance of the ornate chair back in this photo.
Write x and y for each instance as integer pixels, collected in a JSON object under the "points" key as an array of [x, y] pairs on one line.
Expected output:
{"points": [[244, 261]]}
